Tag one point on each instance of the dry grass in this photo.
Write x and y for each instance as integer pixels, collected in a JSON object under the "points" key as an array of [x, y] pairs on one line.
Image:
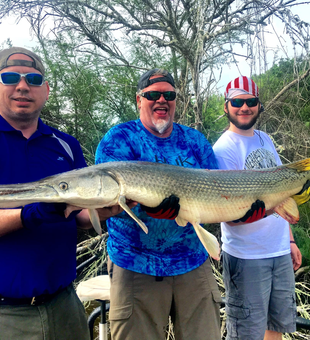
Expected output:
{"points": [[302, 288]]}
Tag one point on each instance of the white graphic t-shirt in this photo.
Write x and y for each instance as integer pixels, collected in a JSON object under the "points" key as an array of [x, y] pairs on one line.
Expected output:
{"points": [[268, 237]]}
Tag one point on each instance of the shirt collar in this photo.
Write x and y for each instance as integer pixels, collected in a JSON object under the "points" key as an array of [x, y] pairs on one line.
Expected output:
{"points": [[42, 128]]}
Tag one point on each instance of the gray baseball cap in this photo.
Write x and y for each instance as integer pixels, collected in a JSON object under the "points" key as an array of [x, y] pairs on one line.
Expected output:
{"points": [[145, 80], [5, 55]]}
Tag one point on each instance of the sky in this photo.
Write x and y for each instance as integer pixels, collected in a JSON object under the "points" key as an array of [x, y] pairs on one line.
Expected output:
{"points": [[20, 35], [19, 32]]}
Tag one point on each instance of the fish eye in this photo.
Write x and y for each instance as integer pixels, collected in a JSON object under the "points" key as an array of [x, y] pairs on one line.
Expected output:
{"points": [[63, 186]]}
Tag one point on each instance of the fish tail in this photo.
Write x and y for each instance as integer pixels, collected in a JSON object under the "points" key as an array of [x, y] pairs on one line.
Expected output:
{"points": [[304, 195], [300, 166]]}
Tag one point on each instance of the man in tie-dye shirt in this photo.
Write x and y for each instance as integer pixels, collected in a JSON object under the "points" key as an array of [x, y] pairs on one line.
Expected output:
{"points": [[167, 271]]}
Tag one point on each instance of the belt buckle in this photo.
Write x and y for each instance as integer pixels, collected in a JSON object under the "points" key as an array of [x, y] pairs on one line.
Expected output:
{"points": [[33, 301]]}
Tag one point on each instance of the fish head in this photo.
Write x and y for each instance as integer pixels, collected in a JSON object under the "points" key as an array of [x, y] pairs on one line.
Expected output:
{"points": [[82, 188]]}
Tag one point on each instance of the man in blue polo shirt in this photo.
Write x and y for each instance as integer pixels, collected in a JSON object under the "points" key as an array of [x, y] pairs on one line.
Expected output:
{"points": [[37, 243]]}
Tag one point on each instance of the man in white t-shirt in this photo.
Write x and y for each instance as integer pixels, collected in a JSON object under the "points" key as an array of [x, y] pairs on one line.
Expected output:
{"points": [[259, 257]]}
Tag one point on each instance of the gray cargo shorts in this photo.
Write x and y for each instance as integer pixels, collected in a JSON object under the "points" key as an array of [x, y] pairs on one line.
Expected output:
{"points": [[260, 295]]}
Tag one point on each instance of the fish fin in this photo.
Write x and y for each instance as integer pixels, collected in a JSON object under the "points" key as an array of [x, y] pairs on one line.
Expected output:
{"points": [[208, 240], [288, 210], [122, 203], [69, 209], [95, 221], [304, 195], [300, 166], [180, 221]]}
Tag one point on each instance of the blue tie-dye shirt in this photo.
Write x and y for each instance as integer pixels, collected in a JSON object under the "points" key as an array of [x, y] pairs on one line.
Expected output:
{"points": [[167, 249]]}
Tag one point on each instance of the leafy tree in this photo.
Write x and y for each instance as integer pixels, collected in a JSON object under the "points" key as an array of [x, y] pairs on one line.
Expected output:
{"points": [[214, 119], [284, 90], [202, 34], [86, 99]]}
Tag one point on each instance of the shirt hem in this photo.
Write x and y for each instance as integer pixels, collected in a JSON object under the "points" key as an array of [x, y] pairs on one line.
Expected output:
{"points": [[164, 274], [257, 257]]}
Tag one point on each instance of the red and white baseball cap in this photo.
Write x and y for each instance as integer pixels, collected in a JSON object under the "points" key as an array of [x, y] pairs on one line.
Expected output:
{"points": [[241, 85]]}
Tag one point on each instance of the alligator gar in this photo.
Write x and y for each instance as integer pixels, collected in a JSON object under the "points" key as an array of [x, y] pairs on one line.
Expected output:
{"points": [[206, 196]]}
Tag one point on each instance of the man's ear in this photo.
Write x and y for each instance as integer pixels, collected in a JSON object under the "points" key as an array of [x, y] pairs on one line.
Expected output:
{"points": [[138, 99], [225, 107], [47, 90]]}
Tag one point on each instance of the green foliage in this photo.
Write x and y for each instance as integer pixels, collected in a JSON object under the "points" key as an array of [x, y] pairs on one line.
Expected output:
{"points": [[212, 123], [279, 76], [86, 98], [285, 93], [301, 233]]}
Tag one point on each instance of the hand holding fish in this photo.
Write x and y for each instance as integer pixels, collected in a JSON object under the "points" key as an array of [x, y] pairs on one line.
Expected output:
{"points": [[168, 209], [255, 213]]}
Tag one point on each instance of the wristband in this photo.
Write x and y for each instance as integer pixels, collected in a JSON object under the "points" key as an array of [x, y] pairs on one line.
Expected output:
{"points": [[292, 242]]}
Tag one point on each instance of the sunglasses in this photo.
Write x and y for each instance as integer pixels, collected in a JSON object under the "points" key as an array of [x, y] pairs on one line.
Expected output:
{"points": [[13, 78], [238, 102], [155, 95]]}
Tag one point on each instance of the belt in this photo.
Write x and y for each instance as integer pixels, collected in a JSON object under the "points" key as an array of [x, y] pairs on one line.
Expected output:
{"points": [[33, 301]]}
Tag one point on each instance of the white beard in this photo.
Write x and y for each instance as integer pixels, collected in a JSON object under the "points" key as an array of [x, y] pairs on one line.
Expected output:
{"points": [[161, 125]]}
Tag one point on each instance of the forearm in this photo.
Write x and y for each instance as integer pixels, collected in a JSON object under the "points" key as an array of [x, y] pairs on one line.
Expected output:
{"points": [[10, 221], [295, 252]]}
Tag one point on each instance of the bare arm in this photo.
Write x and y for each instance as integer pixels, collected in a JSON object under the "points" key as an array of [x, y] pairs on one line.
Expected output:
{"points": [[10, 221], [295, 252]]}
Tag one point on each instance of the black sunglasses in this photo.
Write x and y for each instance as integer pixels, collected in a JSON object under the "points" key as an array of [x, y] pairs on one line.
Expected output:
{"points": [[13, 78], [155, 95], [238, 102]]}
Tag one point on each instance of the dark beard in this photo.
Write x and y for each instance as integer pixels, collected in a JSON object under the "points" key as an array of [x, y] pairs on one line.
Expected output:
{"points": [[248, 126]]}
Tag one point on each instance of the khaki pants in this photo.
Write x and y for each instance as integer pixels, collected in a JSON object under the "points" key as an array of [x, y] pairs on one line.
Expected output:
{"points": [[63, 318], [140, 305]]}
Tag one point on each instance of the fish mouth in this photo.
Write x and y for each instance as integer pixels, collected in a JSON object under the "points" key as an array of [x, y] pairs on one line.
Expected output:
{"points": [[16, 195]]}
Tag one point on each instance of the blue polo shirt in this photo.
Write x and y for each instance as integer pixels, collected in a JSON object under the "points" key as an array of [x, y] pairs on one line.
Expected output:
{"points": [[43, 259]]}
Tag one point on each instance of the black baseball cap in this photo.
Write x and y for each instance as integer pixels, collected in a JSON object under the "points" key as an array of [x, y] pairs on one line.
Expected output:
{"points": [[145, 81], [5, 55]]}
